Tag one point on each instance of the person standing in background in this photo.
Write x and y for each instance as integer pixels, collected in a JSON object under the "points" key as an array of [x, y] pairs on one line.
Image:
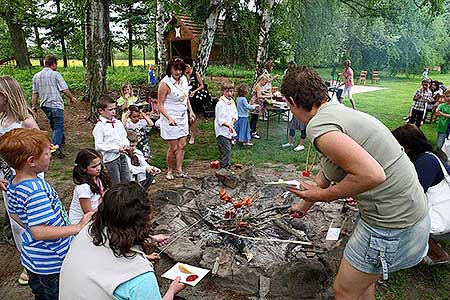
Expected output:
{"points": [[348, 83], [48, 85]]}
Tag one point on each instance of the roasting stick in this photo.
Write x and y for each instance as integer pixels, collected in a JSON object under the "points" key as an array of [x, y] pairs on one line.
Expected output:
{"points": [[313, 161], [261, 239], [181, 234], [307, 157]]}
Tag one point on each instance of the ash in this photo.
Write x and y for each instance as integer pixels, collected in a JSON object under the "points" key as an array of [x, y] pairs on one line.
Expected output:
{"points": [[203, 233]]}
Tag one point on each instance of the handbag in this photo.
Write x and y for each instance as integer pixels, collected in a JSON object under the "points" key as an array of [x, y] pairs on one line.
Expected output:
{"points": [[446, 148], [439, 203]]}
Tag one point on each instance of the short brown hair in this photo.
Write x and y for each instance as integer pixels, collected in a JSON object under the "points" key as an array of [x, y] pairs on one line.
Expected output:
{"points": [[50, 60], [176, 63], [243, 89], [17, 145], [226, 85], [104, 100], [132, 136], [305, 87]]}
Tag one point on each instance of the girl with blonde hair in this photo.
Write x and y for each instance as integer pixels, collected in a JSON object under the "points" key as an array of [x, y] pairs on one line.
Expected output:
{"points": [[259, 99], [14, 113]]}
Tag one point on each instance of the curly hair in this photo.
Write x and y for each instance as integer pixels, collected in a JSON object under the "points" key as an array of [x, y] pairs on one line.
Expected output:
{"points": [[305, 87], [122, 219], [413, 141], [82, 161]]}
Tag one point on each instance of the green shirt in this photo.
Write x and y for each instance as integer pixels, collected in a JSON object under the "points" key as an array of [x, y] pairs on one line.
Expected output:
{"points": [[443, 121], [132, 100], [399, 202]]}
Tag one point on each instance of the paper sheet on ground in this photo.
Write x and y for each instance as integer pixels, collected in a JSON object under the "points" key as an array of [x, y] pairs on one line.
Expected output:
{"points": [[286, 183], [174, 272], [333, 234]]}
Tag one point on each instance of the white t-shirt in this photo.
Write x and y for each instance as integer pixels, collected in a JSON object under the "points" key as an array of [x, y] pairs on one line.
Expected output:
{"points": [[81, 191]]}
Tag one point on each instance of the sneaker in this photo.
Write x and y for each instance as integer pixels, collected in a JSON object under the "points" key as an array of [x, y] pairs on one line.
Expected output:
{"points": [[299, 148], [248, 144], [287, 145], [256, 136], [233, 142]]}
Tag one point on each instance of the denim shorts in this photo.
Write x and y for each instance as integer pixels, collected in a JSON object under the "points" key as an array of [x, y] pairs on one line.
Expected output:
{"points": [[377, 250]]}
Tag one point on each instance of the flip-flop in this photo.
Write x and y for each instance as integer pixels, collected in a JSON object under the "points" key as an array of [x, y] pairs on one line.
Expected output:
{"points": [[181, 174], [169, 176]]}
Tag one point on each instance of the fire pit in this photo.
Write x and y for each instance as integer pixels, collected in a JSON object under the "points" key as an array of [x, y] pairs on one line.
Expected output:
{"points": [[246, 237]]}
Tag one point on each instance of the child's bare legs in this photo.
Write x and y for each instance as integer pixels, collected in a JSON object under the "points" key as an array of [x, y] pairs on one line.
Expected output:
{"points": [[170, 157], [181, 144], [352, 102], [193, 130]]}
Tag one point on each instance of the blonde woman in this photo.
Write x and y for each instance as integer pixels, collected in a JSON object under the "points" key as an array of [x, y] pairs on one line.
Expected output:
{"points": [[14, 113], [259, 99]]}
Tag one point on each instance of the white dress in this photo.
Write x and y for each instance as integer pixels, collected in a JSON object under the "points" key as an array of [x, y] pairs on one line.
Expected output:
{"points": [[176, 107]]}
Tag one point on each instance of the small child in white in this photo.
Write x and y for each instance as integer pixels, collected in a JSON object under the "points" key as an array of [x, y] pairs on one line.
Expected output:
{"points": [[141, 171], [111, 140], [91, 180], [140, 123], [226, 115]]}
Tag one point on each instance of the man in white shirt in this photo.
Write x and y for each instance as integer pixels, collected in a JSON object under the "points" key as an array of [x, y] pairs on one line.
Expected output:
{"points": [[111, 140]]}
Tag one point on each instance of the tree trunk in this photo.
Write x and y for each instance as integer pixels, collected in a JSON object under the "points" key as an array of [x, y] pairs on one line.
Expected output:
{"points": [[130, 36], [61, 38], [18, 44], [143, 54], [37, 36], [97, 41], [160, 46], [207, 37], [264, 30]]}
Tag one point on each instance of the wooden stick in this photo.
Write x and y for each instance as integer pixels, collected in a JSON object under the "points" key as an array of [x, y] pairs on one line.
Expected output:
{"points": [[307, 157], [261, 239], [314, 160]]}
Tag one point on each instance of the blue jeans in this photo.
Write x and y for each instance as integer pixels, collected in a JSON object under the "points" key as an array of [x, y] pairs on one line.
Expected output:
{"points": [[56, 118], [440, 140], [44, 287]]}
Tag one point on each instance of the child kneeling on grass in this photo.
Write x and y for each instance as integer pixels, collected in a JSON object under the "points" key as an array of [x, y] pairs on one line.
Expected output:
{"points": [[226, 115], [35, 206], [141, 171]]}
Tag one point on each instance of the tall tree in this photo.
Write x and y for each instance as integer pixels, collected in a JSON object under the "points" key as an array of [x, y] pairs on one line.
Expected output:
{"points": [[12, 13], [207, 37], [266, 7], [97, 41], [160, 46], [61, 35]]}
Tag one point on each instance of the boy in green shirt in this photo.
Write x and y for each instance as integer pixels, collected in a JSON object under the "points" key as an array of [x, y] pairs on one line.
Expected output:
{"points": [[443, 114]]}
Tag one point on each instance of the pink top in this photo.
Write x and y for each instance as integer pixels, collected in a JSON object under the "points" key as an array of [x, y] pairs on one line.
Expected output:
{"points": [[348, 77]]}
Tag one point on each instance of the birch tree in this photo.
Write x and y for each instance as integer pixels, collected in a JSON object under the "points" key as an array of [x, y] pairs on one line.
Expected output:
{"points": [[97, 46], [160, 46], [207, 37], [266, 7]]}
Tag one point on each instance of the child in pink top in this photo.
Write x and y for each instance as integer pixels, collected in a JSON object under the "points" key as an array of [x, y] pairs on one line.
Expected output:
{"points": [[348, 82]]}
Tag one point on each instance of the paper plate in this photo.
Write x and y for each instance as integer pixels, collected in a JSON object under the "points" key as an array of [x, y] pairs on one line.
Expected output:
{"points": [[174, 272]]}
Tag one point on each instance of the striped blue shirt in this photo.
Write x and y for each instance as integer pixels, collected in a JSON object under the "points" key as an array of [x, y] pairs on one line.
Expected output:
{"points": [[37, 203]]}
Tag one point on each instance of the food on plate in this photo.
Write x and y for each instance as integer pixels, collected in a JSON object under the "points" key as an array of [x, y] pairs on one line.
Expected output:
{"points": [[192, 277], [184, 269]]}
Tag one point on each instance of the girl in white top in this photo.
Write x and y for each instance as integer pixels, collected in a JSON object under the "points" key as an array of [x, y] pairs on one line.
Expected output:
{"points": [[91, 180], [14, 113], [173, 104]]}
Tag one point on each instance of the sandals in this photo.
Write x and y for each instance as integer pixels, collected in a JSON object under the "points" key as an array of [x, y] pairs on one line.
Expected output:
{"points": [[191, 141], [181, 174], [429, 261], [23, 278], [169, 175]]}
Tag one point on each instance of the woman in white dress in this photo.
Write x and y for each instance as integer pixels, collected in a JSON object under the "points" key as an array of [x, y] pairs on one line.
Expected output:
{"points": [[173, 104], [14, 113]]}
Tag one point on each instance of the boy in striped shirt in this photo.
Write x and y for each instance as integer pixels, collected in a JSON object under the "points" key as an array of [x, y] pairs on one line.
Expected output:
{"points": [[35, 205]]}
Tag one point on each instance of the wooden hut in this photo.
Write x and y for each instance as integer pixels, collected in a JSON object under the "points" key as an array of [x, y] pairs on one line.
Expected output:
{"points": [[182, 38]]}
